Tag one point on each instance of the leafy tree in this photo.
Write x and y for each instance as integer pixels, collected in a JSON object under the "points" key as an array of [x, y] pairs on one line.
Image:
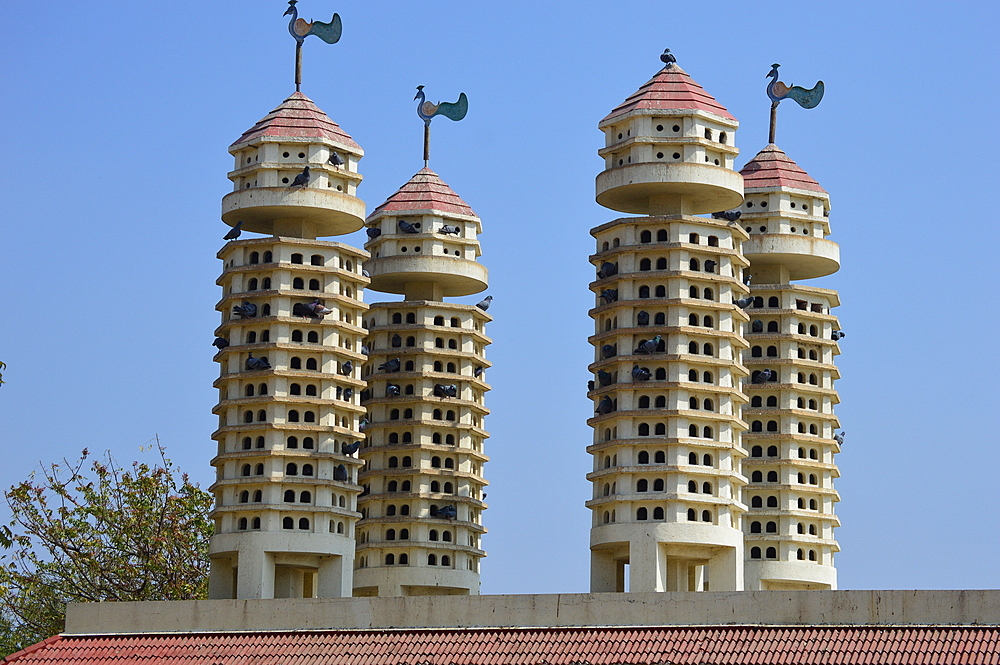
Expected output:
{"points": [[102, 534]]}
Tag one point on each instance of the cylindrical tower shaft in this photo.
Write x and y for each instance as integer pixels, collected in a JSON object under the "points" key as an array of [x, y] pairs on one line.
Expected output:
{"points": [[423, 480], [789, 526], [289, 385], [667, 395]]}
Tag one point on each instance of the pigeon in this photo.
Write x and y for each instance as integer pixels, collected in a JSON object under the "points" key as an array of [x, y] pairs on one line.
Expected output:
{"points": [[396, 341], [757, 326], [764, 376], [641, 373], [392, 390], [366, 273], [605, 378], [607, 270], [605, 406], [447, 512], [319, 309], [484, 304], [445, 391], [302, 179], [478, 372], [590, 385], [608, 351], [348, 394], [839, 438], [245, 311], [649, 345], [453, 230], [347, 368], [838, 334], [406, 227], [729, 215], [336, 160], [220, 343], [366, 395], [746, 280], [710, 265], [668, 58], [373, 233], [642, 319], [234, 232], [609, 295], [303, 310], [362, 424], [390, 365], [341, 473], [351, 448], [253, 364], [365, 350], [743, 303]]}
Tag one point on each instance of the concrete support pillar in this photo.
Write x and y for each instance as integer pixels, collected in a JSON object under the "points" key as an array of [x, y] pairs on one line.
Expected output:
{"points": [[646, 566], [256, 574], [335, 578], [221, 579], [604, 573], [725, 570], [677, 575]]}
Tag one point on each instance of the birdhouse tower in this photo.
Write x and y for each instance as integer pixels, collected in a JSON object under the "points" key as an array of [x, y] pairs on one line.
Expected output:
{"points": [[423, 478], [667, 372], [793, 343], [290, 366]]}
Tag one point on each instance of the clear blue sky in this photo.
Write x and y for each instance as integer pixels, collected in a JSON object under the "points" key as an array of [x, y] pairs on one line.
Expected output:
{"points": [[116, 117]]}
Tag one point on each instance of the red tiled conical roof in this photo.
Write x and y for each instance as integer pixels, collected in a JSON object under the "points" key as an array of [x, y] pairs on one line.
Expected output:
{"points": [[298, 117], [670, 89], [425, 191], [773, 168]]}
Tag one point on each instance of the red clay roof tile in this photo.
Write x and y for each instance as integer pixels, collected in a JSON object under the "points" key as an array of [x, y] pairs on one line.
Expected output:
{"points": [[680, 645], [425, 191], [771, 167], [298, 117], [671, 89]]}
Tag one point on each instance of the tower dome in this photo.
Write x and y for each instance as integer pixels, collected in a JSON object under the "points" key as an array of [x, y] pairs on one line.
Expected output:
{"points": [[669, 149], [273, 152], [430, 263], [424, 452], [785, 213]]}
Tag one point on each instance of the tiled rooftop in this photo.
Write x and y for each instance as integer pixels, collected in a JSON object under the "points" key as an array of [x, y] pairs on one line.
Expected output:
{"points": [[671, 89], [773, 168], [298, 117], [425, 191], [677, 645]]}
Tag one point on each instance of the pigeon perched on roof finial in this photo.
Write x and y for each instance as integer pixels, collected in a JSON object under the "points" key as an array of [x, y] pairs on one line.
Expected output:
{"points": [[667, 58]]}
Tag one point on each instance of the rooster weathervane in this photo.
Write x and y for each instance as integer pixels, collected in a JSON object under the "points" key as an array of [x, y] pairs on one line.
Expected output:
{"points": [[427, 110], [300, 28], [777, 91]]}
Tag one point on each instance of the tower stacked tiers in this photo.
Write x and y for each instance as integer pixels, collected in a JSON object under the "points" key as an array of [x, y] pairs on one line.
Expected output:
{"points": [[789, 526], [285, 491], [423, 478], [668, 345]]}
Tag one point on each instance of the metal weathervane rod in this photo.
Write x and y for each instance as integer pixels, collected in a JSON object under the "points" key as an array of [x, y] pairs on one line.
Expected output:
{"points": [[777, 91], [300, 28], [426, 110]]}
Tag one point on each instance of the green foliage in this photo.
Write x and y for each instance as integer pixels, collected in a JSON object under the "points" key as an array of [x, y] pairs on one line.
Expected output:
{"points": [[101, 534]]}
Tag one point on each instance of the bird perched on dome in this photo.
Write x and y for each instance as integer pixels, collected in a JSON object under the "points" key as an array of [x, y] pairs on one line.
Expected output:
{"points": [[667, 58], [484, 304]]}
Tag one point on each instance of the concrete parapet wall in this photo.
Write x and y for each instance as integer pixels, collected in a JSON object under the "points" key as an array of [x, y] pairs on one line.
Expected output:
{"points": [[975, 607]]}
